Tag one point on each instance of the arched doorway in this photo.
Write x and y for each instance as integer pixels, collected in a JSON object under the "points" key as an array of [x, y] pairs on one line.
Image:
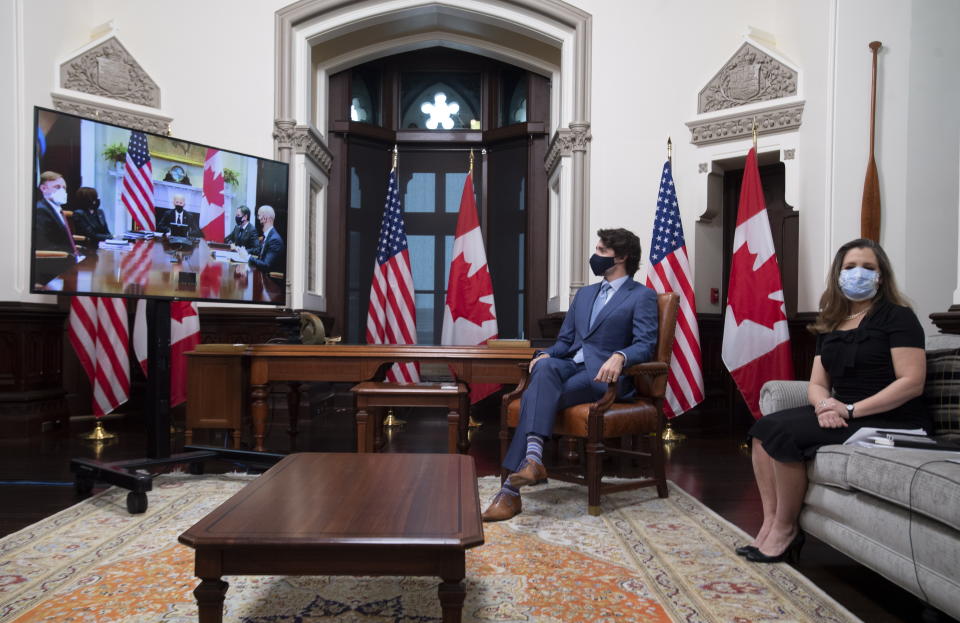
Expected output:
{"points": [[318, 39]]}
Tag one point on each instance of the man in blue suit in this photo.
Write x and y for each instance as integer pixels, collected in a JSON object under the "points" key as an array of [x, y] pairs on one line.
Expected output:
{"points": [[610, 326]]}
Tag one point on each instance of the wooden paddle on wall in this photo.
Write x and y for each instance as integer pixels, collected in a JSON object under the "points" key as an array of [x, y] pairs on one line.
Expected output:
{"points": [[870, 206]]}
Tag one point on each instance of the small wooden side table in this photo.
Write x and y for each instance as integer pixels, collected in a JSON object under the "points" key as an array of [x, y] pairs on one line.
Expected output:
{"points": [[375, 395]]}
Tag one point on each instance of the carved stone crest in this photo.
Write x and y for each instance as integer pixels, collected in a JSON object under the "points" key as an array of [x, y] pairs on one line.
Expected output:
{"points": [[751, 75], [109, 70]]}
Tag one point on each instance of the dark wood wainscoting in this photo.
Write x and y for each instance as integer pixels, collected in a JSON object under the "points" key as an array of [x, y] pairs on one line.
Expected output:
{"points": [[32, 397]]}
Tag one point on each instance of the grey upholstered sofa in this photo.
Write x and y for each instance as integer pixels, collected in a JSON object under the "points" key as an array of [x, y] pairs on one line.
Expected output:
{"points": [[895, 510]]}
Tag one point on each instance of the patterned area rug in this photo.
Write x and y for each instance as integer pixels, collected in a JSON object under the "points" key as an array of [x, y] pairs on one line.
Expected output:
{"points": [[643, 560]]}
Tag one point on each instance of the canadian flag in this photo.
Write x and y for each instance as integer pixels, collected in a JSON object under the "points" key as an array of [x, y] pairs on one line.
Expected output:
{"points": [[469, 316], [211, 206], [756, 339], [184, 337]]}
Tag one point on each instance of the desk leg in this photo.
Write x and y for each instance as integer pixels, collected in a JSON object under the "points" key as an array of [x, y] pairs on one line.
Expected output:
{"points": [[293, 408], [210, 594], [452, 595], [454, 420], [464, 424], [363, 429], [258, 411]]}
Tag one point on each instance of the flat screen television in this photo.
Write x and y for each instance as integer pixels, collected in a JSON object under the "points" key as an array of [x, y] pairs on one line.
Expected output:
{"points": [[121, 212]]}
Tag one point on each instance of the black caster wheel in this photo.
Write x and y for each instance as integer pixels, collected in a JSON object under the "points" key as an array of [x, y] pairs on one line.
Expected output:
{"points": [[83, 487], [196, 468], [136, 503]]}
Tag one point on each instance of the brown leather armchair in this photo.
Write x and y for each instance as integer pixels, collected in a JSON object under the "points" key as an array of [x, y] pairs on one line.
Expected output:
{"points": [[609, 418]]}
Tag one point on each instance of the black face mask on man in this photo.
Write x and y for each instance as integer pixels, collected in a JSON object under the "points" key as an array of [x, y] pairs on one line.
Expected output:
{"points": [[238, 219], [600, 264]]}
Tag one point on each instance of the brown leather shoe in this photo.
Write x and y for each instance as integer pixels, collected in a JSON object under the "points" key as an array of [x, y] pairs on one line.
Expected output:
{"points": [[504, 506], [530, 473]]}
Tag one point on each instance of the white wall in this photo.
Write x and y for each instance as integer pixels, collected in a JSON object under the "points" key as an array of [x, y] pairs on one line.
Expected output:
{"points": [[214, 63]]}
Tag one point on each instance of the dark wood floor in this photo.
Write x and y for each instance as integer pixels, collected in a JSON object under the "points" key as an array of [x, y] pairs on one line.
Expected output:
{"points": [[35, 481]]}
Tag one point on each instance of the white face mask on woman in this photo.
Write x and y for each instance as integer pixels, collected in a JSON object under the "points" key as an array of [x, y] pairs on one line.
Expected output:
{"points": [[859, 283]]}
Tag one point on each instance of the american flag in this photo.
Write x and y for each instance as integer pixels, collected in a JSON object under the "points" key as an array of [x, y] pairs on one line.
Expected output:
{"points": [[670, 272], [392, 315], [98, 332], [137, 190]]}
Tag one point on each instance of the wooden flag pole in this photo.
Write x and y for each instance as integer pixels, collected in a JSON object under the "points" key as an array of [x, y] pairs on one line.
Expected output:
{"points": [[870, 206]]}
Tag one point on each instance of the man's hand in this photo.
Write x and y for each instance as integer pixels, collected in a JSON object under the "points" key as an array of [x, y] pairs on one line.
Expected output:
{"points": [[534, 361], [610, 370]]}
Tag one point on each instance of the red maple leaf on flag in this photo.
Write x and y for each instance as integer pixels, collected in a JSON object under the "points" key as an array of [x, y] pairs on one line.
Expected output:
{"points": [[466, 303], [744, 297], [180, 310], [213, 186]]}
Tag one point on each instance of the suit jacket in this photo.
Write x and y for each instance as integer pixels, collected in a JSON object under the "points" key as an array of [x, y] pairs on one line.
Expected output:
{"points": [[50, 234], [245, 236], [627, 323], [273, 254], [190, 218]]}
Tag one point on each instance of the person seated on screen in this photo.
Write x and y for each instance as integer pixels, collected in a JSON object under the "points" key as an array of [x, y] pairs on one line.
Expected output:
{"points": [[51, 229], [272, 253], [179, 216], [244, 235], [88, 219]]}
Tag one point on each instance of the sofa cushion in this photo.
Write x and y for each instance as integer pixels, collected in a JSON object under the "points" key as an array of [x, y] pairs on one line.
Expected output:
{"points": [[927, 481], [942, 389], [829, 466]]}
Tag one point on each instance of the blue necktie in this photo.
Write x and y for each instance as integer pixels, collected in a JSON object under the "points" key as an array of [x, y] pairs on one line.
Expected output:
{"points": [[598, 304], [600, 301]]}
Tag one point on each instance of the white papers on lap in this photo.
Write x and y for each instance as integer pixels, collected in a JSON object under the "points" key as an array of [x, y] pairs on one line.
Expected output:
{"points": [[867, 437]]}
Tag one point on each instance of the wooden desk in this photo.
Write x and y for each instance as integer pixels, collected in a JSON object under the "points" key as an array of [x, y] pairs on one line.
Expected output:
{"points": [[212, 398], [157, 268], [344, 514]]}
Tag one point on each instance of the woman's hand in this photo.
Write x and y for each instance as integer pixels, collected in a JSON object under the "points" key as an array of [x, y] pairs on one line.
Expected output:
{"points": [[831, 413]]}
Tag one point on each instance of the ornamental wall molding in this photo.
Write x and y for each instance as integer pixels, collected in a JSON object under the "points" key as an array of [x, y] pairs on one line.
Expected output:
{"points": [[751, 75], [565, 142], [769, 120], [102, 109], [302, 140], [107, 69]]}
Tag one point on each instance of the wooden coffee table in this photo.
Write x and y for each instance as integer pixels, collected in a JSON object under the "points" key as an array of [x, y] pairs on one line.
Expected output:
{"points": [[344, 514]]}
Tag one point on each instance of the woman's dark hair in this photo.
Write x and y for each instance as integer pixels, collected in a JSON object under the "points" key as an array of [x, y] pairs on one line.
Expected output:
{"points": [[834, 306], [624, 244], [85, 198]]}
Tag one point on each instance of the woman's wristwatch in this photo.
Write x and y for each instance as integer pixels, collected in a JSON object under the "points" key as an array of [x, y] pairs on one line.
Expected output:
{"points": [[849, 411]]}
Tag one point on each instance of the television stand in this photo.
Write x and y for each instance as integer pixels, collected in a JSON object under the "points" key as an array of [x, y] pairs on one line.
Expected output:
{"points": [[133, 474]]}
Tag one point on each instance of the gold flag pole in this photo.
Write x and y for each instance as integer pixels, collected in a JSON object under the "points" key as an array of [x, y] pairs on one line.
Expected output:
{"points": [[668, 434], [99, 433], [392, 421], [754, 134], [472, 423]]}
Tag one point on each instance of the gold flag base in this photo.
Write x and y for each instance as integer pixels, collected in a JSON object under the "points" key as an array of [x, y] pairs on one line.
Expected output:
{"points": [[671, 435], [473, 423], [391, 420], [99, 433]]}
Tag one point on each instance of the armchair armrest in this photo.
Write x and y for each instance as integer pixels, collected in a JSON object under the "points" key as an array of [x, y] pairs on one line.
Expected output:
{"points": [[650, 378], [779, 395]]}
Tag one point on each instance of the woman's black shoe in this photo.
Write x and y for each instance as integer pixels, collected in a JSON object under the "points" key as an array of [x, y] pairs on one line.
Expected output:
{"points": [[791, 554], [743, 550]]}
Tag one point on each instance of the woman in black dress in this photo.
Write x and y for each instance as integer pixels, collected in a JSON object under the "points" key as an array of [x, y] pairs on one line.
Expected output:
{"points": [[88, 217], [869, 370]]}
